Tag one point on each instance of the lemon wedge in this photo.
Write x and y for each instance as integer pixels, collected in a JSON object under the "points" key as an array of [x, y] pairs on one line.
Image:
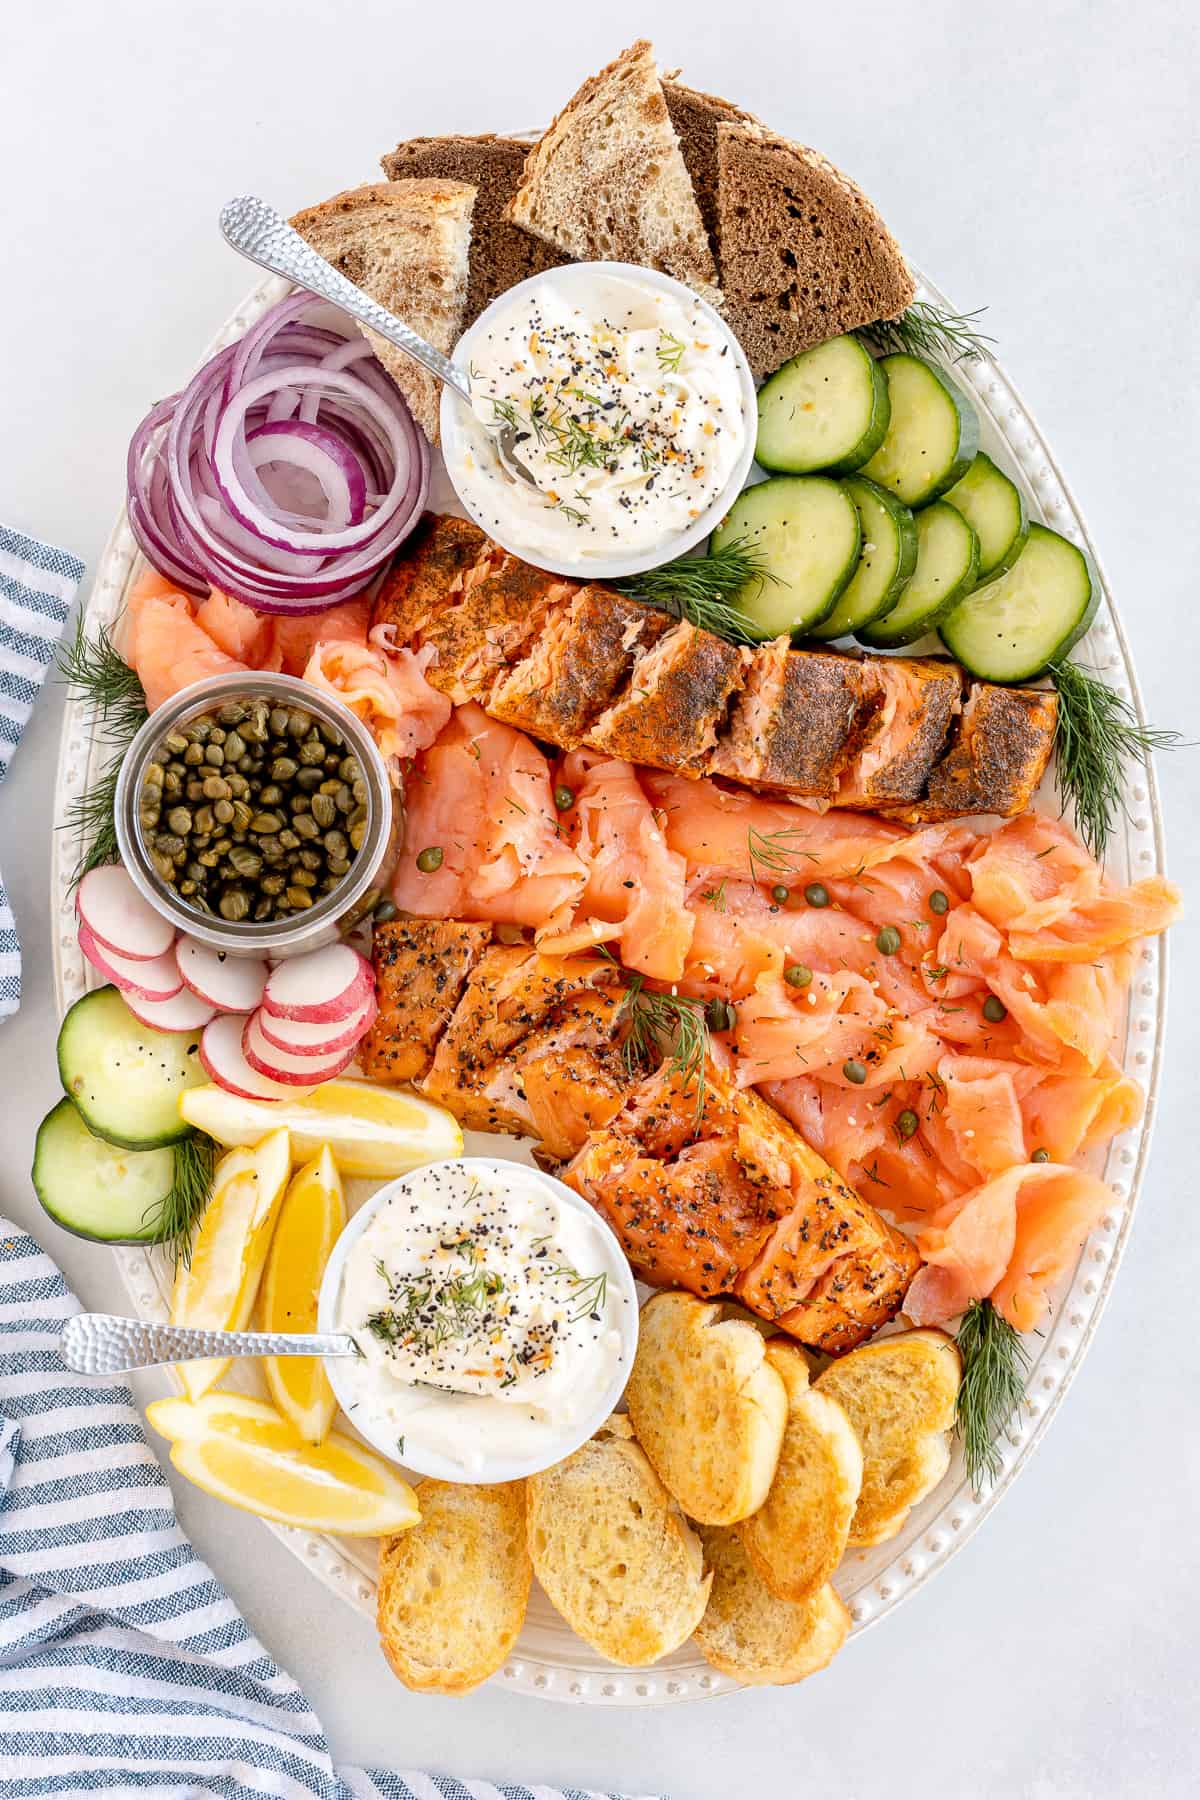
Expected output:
{"points": [[217, 1289], [245, 1452], [312, 1215], [369, 1130]]}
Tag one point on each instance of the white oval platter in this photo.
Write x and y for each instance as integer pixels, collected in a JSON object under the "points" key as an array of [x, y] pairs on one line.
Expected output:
{"points": [[550, 1661]]}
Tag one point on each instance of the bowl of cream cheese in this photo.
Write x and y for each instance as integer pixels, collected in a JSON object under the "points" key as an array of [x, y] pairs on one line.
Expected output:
{"points": [[627, 400], [495, 1317]]}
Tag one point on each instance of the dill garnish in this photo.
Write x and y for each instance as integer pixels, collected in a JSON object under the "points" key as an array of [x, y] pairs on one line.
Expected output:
{"points": [[670, 352], [716, 896], [701, 588], [929, 330], [995, 1365], [1096, 734], [97, 674], [195, 1159], [655, 1020], [772, 851]]}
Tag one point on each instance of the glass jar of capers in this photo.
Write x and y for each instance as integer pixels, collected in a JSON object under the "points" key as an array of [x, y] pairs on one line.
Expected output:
{"points": [[258, 807]]}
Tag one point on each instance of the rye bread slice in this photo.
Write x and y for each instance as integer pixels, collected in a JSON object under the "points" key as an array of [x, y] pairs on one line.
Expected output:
{"points": [[405, 243], [608, 183], [501, 253], [695, 117], [804, 254]]}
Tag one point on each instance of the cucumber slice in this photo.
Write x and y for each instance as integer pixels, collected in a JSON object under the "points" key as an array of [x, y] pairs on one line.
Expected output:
{"points": [[125, 1078], [96, 1189], [1012, 629], [994, 505], [827, 408], [806, 529], [947, 559], [888, 558], [933, 435]]}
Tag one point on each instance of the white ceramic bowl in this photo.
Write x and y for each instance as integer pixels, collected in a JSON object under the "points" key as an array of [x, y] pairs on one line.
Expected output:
{"points": [[430, 1462], [454, 411]]}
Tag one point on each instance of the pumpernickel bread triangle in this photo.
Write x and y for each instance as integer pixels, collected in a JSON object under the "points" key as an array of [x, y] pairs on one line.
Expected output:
{"points": [[804, 255], [695, 117], [608, 183], [406, 244], [501, 253]]}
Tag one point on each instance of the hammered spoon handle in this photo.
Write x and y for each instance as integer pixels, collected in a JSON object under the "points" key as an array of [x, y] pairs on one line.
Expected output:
{"points": [[105, 1344]]}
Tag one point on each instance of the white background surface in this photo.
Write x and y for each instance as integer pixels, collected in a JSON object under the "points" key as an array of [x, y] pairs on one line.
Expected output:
{"points": [[1041, 158]]}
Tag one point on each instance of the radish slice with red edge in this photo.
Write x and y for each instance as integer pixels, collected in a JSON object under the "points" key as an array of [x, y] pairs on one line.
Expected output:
{"points": [[233, 984], [223, 1062], [183, 1012], [282, 1065], [305, 1039], [149, 978], [118, 918], [323, 985]]}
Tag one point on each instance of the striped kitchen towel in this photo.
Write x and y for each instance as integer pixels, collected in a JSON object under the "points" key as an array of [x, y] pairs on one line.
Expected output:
{"points": [[37, 585], [124, 1667]]}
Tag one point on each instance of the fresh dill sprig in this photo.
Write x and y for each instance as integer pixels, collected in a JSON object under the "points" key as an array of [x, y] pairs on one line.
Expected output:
{"points": [[1096, 734], [717, 897], [670, 352], [656, 1020], [995, 1366], [195, 1160], [97, 674], [701, 588], [929, 330], [773, 852]]}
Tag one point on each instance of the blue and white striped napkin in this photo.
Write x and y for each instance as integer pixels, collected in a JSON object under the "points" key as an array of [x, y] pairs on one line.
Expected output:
{"points": [[124, 1667], [37, 586]]}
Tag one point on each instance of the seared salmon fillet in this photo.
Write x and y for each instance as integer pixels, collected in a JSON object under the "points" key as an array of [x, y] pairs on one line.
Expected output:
{"points": [[570, 1093], [490, 628], [1004, 740], [438, 556], [917, 699], [582, 655], [735, 1202], [675, 705], [421, 969], [796, 722]]}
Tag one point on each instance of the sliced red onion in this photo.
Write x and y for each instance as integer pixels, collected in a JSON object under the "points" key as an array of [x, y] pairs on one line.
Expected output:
{"points": [[319, 453]]}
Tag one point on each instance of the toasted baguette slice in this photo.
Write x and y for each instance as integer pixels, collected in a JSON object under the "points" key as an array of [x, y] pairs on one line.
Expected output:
{"points": [[501, 253], [453, 1590], [614, 1552], [608, 183], [899, 1395], [406, 244], [707, 1407], [798, 1536], [749, 1633], [803, 253], [695, 117]]}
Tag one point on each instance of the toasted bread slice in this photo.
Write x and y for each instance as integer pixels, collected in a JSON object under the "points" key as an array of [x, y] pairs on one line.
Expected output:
{"points": [[695, 117], [749, 1633], [798, 1536], [608, 182], [614, 1552], [899, 1395], [707, 1407], [803, 253], [501, 253], [453, 1590], [406, 244]]}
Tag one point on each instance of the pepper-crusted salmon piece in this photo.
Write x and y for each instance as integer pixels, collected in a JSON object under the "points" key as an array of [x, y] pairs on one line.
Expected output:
{"points": [[917, 700], [429, 573], [797, 721], [673, 709], [578, 662], [570, 1093], [999, 754], [421, 969], [490, 629], [855, 1296]]}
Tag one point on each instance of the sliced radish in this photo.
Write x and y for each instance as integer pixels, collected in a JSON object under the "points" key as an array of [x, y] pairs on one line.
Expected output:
{"points": [[233, 984], [149, 978], [304, 1039], [324, 985], [283, 1065], [223, 1062], [184, 1011], [118, 918]]}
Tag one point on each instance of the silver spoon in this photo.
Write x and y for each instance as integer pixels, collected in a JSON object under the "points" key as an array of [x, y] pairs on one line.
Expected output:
{"points": [[264, 236], [104, 1344]]}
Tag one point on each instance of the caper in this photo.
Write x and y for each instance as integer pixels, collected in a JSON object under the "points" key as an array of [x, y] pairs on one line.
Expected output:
{"points": [[938, 903], [233, 712], [254, 727], [309, 780], [242, 815], [273, 884], [430, 859], [888, 941], [359, 790], [279, 721], [720, 1015], [180, 820], [175, 742], [148, 816], [271, 795], [234, 903], [357, 834], [192, 755], [266, 822], [289, 840], [283, 768], [239, 787], [906, 1125], [262, 910], [199, 731], [304, 878], [194, 790], [385, 912], [994, 1009], [323, 810], [854, 1071], [187, 888], [312, 752], [245, 861], [235, 747], [214, 756], [358, 816], [195, 871], [309, 859], [204, 820], [299, 723], [338, 866], [223, 845], [816, 894], [299, 897], [336, 844], [215, 787], [305, 826], [798, 975], [169, 843], [348, 768], [1040, 1156], [223, 812], [270, 849], [301, 803], [153, 776], [780, 893], [163, 864], [345, 799]]}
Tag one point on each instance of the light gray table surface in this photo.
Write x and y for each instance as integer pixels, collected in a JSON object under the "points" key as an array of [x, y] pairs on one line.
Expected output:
{"points": [[1040, 158]]}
